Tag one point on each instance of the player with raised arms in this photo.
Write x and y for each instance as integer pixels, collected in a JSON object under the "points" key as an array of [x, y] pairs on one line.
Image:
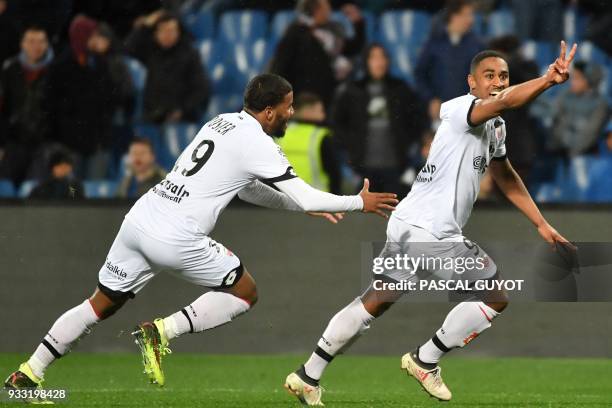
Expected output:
{"points": [[470, 139], [168, 228]]}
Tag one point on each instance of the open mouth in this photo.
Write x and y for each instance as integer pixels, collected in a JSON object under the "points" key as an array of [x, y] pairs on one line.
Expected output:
{"points": [[495, 93]]}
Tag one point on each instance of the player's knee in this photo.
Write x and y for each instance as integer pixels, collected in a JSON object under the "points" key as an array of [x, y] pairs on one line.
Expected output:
{"points": [[251, 297], [498, 306], [106, 302]]}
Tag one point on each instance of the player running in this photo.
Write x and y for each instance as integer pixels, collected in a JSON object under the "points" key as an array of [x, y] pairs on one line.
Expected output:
{"points": [[169, 227], [470, 138]]}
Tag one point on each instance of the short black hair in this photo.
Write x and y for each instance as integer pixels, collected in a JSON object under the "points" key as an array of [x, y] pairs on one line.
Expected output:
{"points": [[305, 99], [452, 7], [33, 27], [265, 90], [484, 55], [144, 141], [60, 157], [307, 7]]}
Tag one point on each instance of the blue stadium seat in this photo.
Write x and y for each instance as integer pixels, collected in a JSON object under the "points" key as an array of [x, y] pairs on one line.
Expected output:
{"points": [[549, 193], [100, 189], [26, 188], [371, 25], [214, 54], [574, 25], [541, 52], [279, 24], [138, 72], [578, 179], [151, 132], [175, 139], [243, 25], [600, 186], [409, 27], [248, 59], [500, 22], [587, 51], [7, 190], [201, 25], [223, 104], [402, 61]]}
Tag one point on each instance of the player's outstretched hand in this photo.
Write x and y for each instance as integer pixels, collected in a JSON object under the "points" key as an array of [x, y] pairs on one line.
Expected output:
{"points": [[553, 237], [377, 202], [334, 218], [558, 71]]}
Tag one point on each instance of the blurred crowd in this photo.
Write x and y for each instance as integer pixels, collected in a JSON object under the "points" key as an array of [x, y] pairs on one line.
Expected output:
{"points": [[69, 105]]}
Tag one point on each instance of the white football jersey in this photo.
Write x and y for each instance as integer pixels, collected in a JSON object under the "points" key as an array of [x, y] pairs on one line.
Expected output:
{"points": [[228, 153], [446, 188]]}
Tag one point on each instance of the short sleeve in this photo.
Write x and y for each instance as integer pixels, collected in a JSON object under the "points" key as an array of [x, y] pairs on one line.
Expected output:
{"points": [[500, 141], [266, 161], [457, 112]]}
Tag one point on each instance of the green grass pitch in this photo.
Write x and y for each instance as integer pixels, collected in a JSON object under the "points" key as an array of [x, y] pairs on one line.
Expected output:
{"points": [[197, 380]]}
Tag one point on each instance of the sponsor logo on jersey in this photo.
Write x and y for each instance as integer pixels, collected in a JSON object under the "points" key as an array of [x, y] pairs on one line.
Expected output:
{"points": [[426, 173], [115, 270], [171, 191], [220, 125], [480, 164]]}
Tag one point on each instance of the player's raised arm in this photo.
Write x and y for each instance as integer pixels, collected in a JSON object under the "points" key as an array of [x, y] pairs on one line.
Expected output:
{"points": [[489, 78]]}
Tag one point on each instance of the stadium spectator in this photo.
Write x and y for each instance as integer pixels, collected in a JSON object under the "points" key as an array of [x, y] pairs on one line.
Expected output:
{"points": [[9, 34], [142, 170], [121, 15], [376, 119], [61, 183], [599, 17], [21, 104], [106, 46], [540, 20], [313, 53], [308, 144], [445, 58], [176, 88], [82, 101], [521, 145], [580, 112]]}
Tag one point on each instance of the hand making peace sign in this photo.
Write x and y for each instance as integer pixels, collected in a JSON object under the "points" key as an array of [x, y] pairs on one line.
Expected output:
{"points": [[558, 71]]}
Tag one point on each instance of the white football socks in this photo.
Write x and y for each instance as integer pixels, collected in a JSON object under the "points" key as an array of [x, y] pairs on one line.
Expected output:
{"points": [[66, 331], [462, 324], [210, 310], [343, 329]]}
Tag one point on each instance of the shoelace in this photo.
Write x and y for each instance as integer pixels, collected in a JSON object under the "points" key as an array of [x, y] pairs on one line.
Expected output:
{"points": [[437, 376]]}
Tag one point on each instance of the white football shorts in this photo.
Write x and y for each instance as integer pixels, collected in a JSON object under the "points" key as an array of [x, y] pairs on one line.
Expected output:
{"points": [[416, 254], [135, 258]]}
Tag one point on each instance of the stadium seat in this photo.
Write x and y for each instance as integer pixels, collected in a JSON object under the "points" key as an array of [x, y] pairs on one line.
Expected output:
{"points": [[587, 51], [215, 55], [223, 104], [247, 60], [237, 26], [408, 27], [500, 22], [541, 52], [402, 61], [138, 73], [26, 188], [574, 25], [548, 193], [175, 139], [600, 182], [201, 25], [100, 189], [7, 190]]}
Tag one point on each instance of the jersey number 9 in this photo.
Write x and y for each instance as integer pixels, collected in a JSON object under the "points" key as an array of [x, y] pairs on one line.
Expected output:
{"points": [[198, 158]]}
